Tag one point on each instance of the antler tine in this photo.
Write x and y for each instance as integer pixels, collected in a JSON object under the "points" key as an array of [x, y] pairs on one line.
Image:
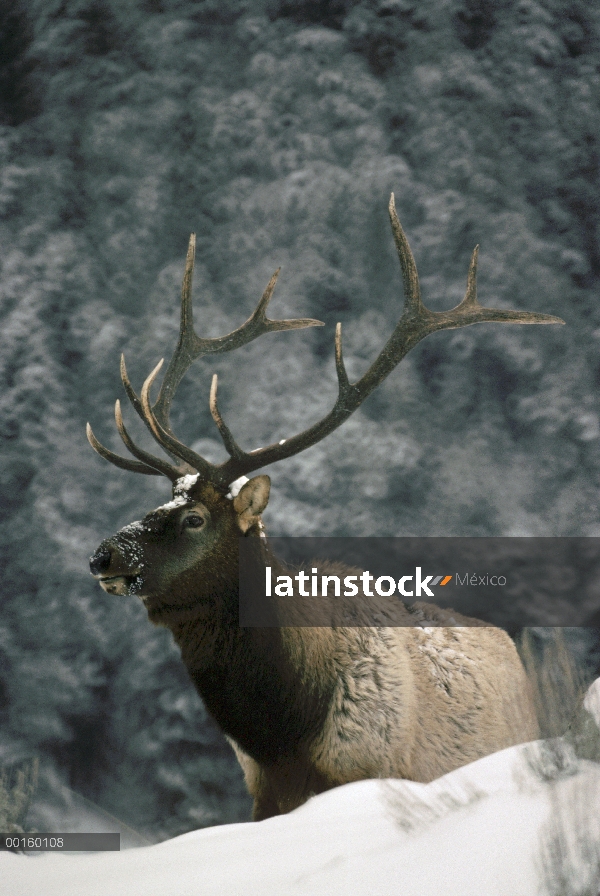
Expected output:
{"points": [[183, 355], [137, 404], [344, 386], [261, 309], [123, 462], [147, 411], [131, 394], [191, 346], [167, 440], [161, 466], [410, 278], [416, 322], [470, 299], [230, 443]]}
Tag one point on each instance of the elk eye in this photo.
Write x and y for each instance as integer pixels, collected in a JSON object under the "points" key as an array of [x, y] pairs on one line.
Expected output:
{"points": [[193, 522]]}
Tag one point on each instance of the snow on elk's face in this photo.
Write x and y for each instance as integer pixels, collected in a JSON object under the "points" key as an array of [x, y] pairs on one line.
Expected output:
{"points": [[169, 558]]}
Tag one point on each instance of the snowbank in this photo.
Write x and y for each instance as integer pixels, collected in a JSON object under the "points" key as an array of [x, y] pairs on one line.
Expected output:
{"points": [[520, 822]]}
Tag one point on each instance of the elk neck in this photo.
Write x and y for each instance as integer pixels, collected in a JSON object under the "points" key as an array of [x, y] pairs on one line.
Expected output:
{"points": [[254, 683]]}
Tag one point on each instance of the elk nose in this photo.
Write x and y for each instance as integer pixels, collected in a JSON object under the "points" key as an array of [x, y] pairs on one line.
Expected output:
{"points": [[100, 562]]}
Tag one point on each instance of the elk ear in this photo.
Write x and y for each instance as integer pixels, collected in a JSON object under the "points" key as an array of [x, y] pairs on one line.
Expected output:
{"points": [[251, 500]]}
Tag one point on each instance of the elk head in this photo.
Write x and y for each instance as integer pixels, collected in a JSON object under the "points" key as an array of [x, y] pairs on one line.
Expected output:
{"points": [[179, 557], [183, 555]]}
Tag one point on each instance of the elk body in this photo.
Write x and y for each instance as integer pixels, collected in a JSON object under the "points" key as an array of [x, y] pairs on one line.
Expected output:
{"points": [[306, 708]]}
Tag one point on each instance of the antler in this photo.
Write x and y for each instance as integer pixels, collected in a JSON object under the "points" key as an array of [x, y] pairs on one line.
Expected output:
{"points": [[416, 322], [189, 347]]}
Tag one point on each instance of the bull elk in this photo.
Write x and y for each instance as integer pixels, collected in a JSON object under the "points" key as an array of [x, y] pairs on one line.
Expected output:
{"points": [[306, 708]]}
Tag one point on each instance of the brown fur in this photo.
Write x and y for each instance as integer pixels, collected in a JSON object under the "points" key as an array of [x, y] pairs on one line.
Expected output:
{"points": [[306, 708]]}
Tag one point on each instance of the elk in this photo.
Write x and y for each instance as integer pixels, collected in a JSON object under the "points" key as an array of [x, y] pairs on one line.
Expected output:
{"points": [[306, 708]]}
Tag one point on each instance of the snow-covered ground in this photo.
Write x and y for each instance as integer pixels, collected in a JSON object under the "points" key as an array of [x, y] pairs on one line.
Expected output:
{"points": [[522, 822]]}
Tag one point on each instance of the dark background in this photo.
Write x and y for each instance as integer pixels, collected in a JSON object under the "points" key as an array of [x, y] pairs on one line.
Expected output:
{"points": [[276, 131]]}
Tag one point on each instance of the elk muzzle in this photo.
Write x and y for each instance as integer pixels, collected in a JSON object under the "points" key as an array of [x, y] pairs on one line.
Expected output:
{"points": [[100, 562], [113, 572]]}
